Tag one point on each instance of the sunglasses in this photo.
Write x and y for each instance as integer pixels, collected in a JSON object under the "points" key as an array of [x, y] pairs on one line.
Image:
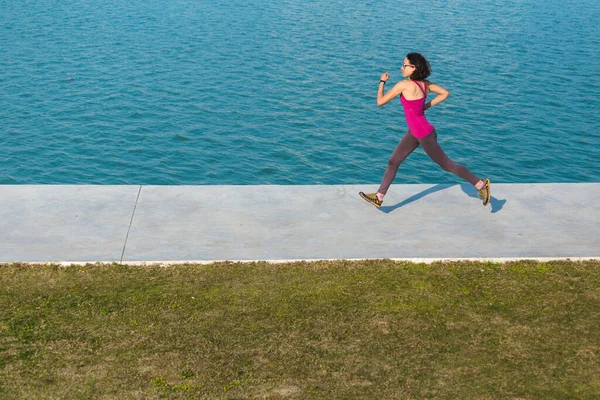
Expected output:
{"points": [[406, 65]]}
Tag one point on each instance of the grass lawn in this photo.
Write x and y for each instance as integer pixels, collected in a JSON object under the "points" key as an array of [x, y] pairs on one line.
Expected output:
{"points": [[323, 330]]}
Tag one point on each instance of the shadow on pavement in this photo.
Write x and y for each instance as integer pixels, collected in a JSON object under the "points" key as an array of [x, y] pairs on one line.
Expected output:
{"points": [[433, 189], [496, 204], [469, 190]]}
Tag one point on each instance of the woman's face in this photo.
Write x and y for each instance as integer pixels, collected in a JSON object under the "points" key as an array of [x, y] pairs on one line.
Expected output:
{"points": [[407, 68]]}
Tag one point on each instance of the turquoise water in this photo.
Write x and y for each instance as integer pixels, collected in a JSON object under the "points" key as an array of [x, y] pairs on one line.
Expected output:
{"points": [[283, 92]]}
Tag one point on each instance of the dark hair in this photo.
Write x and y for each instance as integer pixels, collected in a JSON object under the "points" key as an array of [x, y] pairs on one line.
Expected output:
{"points": [[422, 67]]}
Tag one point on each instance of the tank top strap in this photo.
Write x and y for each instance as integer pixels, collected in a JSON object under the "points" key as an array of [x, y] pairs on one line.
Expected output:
{"points": [[422, 90]]}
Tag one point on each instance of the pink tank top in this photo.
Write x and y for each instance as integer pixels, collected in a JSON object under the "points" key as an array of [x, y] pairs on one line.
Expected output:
{"points": [[414, 110]]}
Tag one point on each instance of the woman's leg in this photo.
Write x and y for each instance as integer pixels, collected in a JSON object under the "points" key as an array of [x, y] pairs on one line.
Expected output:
{"points": [[407, 145], [435, 152]]}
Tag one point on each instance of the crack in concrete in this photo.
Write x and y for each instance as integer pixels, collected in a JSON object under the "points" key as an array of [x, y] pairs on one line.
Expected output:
{"points": [[130, 223]]}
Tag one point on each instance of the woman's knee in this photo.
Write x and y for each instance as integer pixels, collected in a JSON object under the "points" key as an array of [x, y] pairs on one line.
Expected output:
{"points": [[396, 159], [394, 162]]}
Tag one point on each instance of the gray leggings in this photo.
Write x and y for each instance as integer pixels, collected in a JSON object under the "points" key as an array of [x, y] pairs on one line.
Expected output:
{"points": [[408, 144]]}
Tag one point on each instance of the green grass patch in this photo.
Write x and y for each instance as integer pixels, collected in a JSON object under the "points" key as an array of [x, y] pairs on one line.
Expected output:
{"points": [[322, 330]]}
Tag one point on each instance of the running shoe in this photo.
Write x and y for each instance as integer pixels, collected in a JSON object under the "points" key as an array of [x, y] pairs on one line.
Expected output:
{"points": [[371, 198], [485, 193]]}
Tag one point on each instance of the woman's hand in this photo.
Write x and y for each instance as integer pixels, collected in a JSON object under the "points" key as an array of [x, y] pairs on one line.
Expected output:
{"points": [[385, 76]]}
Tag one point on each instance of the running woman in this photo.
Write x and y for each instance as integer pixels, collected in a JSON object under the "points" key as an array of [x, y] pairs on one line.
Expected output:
{"points": [[413, 93]]}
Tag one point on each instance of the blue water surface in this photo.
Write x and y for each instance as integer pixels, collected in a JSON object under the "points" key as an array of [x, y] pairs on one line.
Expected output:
{"points": [[283, 92]]}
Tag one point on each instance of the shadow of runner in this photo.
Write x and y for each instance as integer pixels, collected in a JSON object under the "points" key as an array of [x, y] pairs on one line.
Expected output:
{"points": [[433, 189], [468, 189], [496, 204]]}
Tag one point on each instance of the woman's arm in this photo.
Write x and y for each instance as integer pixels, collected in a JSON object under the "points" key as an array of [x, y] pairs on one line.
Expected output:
{"points": [[442, 94], [382, 98]]}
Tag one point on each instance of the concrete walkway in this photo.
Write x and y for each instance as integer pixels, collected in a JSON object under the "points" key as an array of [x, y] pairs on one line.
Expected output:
{"points": [[133, 224]]}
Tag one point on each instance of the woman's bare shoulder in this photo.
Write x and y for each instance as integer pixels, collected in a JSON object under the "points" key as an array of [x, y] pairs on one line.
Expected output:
{"points": [[402, 84]]}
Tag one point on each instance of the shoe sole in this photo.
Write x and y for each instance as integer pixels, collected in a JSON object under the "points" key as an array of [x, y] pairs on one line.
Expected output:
{"points": [[488, 191], [364, 196]]}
